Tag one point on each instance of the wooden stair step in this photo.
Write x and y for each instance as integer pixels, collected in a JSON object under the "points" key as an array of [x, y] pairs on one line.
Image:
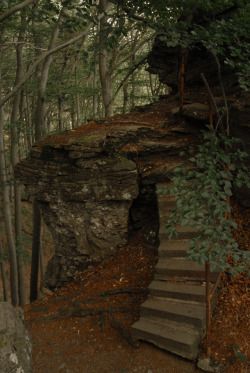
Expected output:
{"points": [[165, 210], [174, 315], [178, 290], [183, 232], [164, 214], [166, 200], [173, 248], [176, 310], [180, 339], [178, 267], [163, 185]]}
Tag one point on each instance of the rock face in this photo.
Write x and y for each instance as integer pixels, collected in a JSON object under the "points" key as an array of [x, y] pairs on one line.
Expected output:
{"points": [[15, 346], [85, 203], [96, 183], [164, 61]]}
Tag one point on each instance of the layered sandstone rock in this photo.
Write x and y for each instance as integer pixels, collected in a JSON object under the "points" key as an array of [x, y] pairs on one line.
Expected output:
{"points": [[91, 183]]}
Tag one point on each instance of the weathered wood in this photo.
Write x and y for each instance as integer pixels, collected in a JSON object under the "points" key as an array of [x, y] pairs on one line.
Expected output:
{"points": [[174, 315]]}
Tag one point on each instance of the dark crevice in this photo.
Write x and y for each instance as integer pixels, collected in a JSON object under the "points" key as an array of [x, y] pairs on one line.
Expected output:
{"points": [[144, 215]]}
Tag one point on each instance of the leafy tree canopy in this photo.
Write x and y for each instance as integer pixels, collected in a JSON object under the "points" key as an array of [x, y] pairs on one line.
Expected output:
{"points": [[221, 26]]}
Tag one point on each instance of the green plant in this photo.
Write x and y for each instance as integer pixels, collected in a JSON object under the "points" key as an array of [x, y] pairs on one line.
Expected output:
{"points": [[203, 190]]}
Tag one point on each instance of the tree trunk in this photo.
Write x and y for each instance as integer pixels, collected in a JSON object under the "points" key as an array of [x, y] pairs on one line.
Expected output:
{"points": [[94, 99], [132, 93], [125, 97], [7, 217], [3, 275], [39, 120], [60, 120], [36, 243], [78, 115], [41, 266], [72, 114], [105, 74], [14, 161]]}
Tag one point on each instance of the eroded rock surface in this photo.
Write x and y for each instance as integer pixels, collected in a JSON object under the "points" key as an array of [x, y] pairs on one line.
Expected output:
{"points": [[15, 345], [86, 181], [93, 183]]}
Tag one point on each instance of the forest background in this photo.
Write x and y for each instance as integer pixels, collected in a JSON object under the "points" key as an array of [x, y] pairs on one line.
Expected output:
{"points": [[63, 63]]}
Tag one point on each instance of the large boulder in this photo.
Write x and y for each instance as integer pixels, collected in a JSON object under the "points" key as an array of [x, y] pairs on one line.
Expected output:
{"points": [[165, 61], [15, 345], [87, 180]]}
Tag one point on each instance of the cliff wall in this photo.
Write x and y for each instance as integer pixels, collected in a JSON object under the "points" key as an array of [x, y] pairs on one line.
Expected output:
{"points": [[95, 184]]}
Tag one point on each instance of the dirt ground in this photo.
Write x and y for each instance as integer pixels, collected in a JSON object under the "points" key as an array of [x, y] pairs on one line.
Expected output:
{"points": [[85, 327]]}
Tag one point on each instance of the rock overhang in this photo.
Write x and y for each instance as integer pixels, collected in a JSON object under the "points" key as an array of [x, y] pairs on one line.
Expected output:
{"points": [[86, 180]]}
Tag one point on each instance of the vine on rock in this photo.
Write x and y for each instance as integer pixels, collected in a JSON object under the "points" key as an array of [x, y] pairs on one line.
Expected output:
{"points": [[203, 190]]}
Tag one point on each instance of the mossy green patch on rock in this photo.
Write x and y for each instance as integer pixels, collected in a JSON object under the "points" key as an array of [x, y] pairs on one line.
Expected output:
{"points": [[122, 163], [3, 342], [93, 138]]}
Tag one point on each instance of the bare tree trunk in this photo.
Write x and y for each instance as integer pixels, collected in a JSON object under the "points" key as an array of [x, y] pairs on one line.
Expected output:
{"points": [[104, 70], [59, 107], [39, 119], [28, 127], [77, 99], [14, 161], [72, 114], [125, 97], [3, 275], [78, 115], [94, 99], [41, 265], [7, 216], [36, 243], [132, 93]]}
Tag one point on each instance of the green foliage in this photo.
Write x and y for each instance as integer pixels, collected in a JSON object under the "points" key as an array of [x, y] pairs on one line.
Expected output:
{"points": [[203, 191], [221, 26], [238, 354]]}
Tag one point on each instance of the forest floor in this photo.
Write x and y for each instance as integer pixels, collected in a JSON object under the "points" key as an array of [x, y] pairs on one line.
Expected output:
{"points": [[85, 326]]}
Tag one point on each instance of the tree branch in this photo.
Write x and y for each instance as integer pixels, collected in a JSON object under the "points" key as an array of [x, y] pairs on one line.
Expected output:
{"points": [[135, 67], [41, 58], [15, 9], [130, 13]]}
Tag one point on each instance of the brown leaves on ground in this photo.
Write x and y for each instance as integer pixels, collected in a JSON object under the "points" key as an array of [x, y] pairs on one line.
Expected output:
{"points": [[119, 283], [230, 340], [85, 326], [242, 217]]}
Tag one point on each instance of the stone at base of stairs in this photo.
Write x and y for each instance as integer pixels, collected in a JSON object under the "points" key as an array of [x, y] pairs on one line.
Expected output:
{"points": [[207, 365], [180, 339]]}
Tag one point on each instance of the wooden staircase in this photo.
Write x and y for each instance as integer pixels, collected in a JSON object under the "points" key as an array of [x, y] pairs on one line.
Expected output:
{"points": [[174, 315]]}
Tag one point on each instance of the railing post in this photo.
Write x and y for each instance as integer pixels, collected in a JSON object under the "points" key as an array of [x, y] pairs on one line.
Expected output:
{"points": [[208, 309]]}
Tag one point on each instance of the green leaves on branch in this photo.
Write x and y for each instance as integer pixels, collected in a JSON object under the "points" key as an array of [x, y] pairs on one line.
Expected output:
{"points": [[203, 191], [220, 26]]}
